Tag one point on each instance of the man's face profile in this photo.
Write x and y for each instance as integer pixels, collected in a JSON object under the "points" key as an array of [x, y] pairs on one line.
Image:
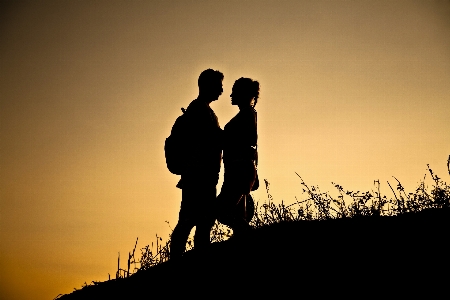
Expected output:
{"points": [[217, 89]]}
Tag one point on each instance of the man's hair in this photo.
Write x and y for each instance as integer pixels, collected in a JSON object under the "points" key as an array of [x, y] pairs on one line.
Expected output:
{"points": [[209, 77]]}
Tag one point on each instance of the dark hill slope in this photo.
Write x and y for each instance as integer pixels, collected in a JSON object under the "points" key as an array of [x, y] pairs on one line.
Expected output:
{"points": [[361, 257]]}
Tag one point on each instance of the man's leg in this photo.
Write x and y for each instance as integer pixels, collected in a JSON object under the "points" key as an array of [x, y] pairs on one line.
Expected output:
{"points": [[202, 237], [186, 221], [206, 215], [179, 238]]}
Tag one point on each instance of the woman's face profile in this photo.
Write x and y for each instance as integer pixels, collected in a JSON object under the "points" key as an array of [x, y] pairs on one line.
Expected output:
{"points": [[237, 97], [234, 96]]}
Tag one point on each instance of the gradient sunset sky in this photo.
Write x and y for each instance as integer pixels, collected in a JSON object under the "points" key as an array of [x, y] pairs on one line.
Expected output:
{"points": [[351, 92]]}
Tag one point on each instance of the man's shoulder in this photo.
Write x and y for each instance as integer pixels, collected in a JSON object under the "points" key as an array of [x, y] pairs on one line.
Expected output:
{"points": [[199, 109], [197, 105]]}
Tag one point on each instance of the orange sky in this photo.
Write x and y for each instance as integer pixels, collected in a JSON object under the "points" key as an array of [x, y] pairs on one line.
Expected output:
{"points": [[351, 92]]}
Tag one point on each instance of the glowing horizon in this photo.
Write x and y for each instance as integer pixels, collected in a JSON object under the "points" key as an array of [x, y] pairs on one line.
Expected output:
{"points": [[351, 92]]}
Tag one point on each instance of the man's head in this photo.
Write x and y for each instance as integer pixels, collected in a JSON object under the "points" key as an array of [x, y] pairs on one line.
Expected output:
{"points": [[210, 84]]}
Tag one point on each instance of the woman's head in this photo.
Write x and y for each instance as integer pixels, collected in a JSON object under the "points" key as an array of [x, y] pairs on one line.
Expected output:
{"points": [[245, 92]]}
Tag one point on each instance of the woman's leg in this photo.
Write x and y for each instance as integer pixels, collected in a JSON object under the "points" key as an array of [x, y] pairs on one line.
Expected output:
{"points": [[238, 180], [229, 212]]}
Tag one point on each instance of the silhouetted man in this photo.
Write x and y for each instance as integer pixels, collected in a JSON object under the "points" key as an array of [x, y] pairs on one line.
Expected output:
{"points": [[200, 174]]}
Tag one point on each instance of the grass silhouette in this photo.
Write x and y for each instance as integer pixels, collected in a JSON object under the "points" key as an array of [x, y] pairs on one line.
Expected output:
{"points": [[352, 231]]}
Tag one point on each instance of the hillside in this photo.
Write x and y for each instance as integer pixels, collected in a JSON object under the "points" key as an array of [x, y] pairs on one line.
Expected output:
{"points": [[360, 257]]}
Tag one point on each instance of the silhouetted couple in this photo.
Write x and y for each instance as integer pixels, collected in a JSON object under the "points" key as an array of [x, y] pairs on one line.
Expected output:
{"points": [[202, 160]]}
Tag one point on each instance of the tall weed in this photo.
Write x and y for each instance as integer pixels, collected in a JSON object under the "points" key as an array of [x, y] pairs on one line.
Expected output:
{"points": [[320, 205], [317, 205]]}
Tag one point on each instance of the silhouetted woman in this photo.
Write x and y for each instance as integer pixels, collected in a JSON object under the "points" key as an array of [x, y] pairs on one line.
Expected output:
{"points": [[235, 206]]}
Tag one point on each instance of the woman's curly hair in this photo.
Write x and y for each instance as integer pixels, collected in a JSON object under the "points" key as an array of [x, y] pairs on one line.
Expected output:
{"points": [[247, 87]]}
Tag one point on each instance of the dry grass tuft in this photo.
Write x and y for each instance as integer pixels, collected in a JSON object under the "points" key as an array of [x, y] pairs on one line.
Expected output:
{"points": [[317, 206]]}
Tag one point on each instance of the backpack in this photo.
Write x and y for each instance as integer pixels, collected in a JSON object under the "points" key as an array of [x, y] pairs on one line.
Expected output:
{"points": [[174, 146]]}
